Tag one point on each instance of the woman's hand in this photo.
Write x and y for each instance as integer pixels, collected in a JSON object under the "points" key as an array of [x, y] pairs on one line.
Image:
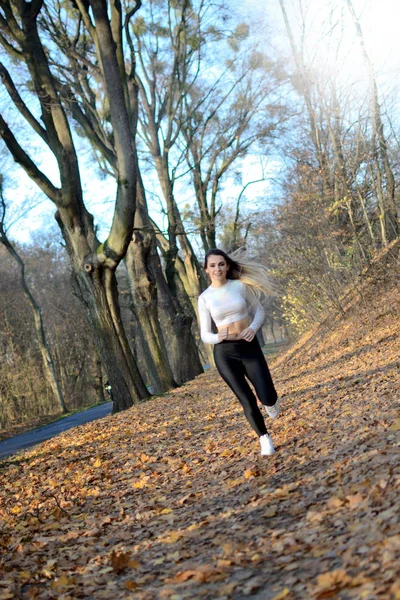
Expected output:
{"points": [[247, 334], [222, 334]]}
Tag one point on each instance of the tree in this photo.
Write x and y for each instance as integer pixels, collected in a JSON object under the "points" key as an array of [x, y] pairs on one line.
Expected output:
{"points": [[93, 263], [167, 42], [169, 325], [25, 392], [337, 196], [153, 304], [225, 118], [388, 214], [48, 362]]}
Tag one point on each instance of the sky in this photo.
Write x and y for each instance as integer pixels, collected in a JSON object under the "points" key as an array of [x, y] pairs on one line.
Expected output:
{"points": [[379, 19]]}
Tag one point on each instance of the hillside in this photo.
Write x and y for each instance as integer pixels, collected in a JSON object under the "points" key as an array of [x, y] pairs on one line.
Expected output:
{"points": [[171, 500]]}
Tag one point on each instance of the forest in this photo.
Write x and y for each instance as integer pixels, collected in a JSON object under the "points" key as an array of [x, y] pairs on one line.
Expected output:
{"points": [[182, 109]]}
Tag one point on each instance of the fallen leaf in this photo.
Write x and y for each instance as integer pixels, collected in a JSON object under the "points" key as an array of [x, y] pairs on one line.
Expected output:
{"points": [[227, 589], [62, 581], [120, 561], [252, 472], [354, 500], [173, 537], [24, 575], [333, 579], [271, 511], [134, 564], [130, 585], [334, 503], [201, 574], [283, 594]]}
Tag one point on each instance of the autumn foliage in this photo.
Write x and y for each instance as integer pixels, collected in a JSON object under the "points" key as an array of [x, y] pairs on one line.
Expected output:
{"points": [[171, 500]]}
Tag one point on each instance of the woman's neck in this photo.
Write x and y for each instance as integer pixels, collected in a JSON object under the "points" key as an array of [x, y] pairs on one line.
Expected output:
{"points": [[219, 284]]}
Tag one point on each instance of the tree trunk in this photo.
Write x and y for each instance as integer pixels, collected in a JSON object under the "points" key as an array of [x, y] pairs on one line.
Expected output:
{"points": [[260, 337], [177, 331], [201, 198], [178, 289], [175, 322], [194, 279], [98, 380], [96, 288], [144, 296]]}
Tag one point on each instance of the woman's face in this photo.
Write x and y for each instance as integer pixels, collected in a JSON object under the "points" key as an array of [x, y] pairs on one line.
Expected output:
{"points": [[217, 268]]}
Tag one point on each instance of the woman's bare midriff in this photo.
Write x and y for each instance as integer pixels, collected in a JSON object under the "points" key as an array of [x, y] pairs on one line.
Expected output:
{"points": [[235, 329]]}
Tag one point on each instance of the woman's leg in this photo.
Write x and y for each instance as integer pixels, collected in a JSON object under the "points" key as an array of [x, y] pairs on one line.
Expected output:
{"points": [[230, 367], [256, 369]]}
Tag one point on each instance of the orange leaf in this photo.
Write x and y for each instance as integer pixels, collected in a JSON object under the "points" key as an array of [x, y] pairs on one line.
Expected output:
{"points": [[354, 500], [252, 472], [130, 585], [120, 561], [200, 574], [134, 564], [333, 579], [334, 502]]}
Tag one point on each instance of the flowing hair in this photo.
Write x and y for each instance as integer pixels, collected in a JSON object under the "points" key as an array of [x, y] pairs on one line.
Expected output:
{"points": [[252, 273]]}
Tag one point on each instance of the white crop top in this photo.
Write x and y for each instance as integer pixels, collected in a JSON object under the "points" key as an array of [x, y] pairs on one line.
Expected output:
{"points": [[227, 304]]}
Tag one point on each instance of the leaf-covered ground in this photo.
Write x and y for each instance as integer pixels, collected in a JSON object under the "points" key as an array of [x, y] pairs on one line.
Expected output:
{"points": [[171, 500]]}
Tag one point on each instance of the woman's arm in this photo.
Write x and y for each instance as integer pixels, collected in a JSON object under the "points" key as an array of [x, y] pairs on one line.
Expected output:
{"points": [[255, 306], [259, 317], [206, 334]]}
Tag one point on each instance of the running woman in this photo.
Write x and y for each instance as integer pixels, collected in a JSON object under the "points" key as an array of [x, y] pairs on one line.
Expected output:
{"points": [[232, 301]]}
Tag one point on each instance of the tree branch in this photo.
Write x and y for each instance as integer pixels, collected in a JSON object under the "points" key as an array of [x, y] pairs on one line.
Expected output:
{"points": [[20, 104], [21, 157], [9, 48], [87, 125]]}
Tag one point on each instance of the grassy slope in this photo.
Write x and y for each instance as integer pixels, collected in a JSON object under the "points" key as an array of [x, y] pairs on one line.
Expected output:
{"points": [[172, 500]]}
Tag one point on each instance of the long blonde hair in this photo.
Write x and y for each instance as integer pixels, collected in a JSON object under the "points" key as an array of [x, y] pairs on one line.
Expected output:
{"points": [[252, 273]]}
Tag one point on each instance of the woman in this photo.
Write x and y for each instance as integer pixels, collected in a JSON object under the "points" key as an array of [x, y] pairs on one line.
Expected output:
{"points": [[229, 301]]}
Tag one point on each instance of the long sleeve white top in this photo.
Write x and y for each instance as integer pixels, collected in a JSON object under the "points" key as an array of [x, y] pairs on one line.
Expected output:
{"points": [[227, 304]]}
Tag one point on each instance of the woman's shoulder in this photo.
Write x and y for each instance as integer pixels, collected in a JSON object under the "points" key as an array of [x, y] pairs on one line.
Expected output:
{"points": [[204, 294], [238, 284]]}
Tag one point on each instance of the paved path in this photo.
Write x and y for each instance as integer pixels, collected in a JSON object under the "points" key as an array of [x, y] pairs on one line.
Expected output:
{"points": [[31, 438]]}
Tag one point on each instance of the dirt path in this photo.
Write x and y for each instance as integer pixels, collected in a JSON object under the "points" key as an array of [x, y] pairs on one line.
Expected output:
{"points": [[171, 500]]}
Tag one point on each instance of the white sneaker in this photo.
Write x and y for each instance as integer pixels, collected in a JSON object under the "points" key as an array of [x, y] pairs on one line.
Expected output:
{"points": [[273, 411], [267, 446]]}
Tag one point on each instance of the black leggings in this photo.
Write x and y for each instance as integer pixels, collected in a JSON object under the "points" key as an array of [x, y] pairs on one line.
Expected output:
{"points": [[238, 359]]}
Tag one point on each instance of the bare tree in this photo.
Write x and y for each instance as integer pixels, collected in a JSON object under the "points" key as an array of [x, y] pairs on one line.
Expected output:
{"points": [[48, 363], [167, 42], [224, 119], [388, 216], [93, 263], [81, 91]]}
